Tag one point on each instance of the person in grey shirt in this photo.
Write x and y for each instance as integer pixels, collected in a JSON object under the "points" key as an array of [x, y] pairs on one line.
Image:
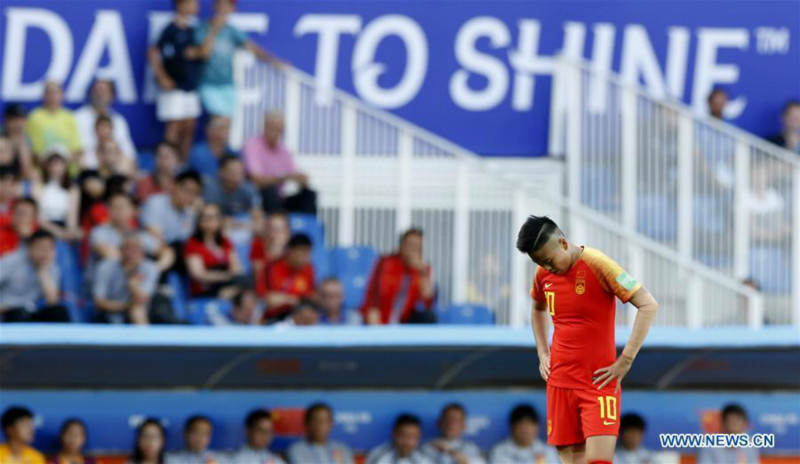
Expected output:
{"points": [[123, 287], [631, 435], [404, 447], [259, 429], [734, 421], [197, 437], [30, 274], [523, 446], [450, 448], [171, 217], [230, 190], [317, 447]]}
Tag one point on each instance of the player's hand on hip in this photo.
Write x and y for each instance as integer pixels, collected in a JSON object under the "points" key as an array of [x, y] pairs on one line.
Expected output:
{"points": [[616, 371], [544, 365]]}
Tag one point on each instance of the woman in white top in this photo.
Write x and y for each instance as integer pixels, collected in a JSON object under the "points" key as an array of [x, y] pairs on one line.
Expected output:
{"points": [[58, 199]]}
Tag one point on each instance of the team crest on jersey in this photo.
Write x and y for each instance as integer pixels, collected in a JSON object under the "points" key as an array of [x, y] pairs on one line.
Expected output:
{"points": [[580, 282], [549, 426]]}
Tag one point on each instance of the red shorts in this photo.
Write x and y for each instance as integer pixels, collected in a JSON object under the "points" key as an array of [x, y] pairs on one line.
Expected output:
{"points": [[574, 414]]}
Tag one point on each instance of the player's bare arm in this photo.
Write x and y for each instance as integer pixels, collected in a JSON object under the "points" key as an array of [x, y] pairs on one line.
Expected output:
{"points": [[540, 321], [647, 306]]}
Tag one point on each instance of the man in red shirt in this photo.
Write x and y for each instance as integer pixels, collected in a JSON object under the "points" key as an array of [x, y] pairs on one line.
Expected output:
{"points": [[579, 286], [285, 281], [400, 289], [23, 225]]}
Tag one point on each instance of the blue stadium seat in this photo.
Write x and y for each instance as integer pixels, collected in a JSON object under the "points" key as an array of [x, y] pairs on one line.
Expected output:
{"points": [[243, 251], [309, 224], [69, 264], [199, 309], [180, 294], [770, 269], [466, 314], [352, 265]]}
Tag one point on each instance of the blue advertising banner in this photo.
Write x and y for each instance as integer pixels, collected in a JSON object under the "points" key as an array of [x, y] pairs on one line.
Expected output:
{"points": [[475, 72]]}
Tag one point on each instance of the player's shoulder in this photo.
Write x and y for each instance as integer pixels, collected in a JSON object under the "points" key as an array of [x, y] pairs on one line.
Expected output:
{"points": [[596, 259]]}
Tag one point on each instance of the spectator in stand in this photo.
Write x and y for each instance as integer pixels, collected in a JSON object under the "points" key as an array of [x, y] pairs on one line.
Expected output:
{"points": [[51, 125], [211, 259], [101, 97], [162, 179], [331, 297], [450, 448], [304, 313], [15, 121], [717, 100], [400, 289], [171, 217], [631, 436], [9, 191], [123, 288], [110, 160], [246, 310], [59, 199], [19, 430], [206, 156], [218, 41], [404, 447], [28, 276], [270, 165], [317, 445], [734, 421], [259, 430], [197, 439], [270, 244], [72, 439], [93, 209], [150, 443], [177, 65], [789, 138], [524, 444], [23, 224], [239, 201], [287, 280]]}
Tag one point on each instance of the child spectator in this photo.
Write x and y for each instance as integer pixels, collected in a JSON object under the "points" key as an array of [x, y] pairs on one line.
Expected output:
{"points": [[734, 421], [270, 165], [219, 40], [9, 191], [15, 122], [19, 431], [101, 97], [110, 161], [285, 281], [400, 289], [163, 178], [206, 156], [123, 288], [270, 244], [631, 435], [29, 275], [175, 62], [51, 126], [93, 209], [317, 445], [150, 443], [524, 444], [197, 439], [23, 224], [404, 447], [212, 261], [450, 448], [259, 430], [59, 199], [72, 439]]}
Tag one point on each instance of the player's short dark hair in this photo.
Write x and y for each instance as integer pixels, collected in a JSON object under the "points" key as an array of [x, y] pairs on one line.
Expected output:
{"points": [[410, 232], [453, 407], [789, 105], [535, 232], [255, 416], [632, 420], [299, 241], [14, 414], [317, 407], [225, 160], [189, 176], [192, 420], [733, 409], [523, 412], [41, 234], [407, 419]]}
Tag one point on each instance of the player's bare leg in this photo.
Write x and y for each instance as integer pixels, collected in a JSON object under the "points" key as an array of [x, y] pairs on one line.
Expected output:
{"points": [[571, 454], [600, 448]]}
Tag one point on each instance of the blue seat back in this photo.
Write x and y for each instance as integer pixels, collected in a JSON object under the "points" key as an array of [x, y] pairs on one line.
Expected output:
{"points": [[353, 265], [466, 314]]}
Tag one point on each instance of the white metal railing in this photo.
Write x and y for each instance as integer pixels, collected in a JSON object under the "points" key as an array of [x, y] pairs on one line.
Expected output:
{"points": [[377, 175], [703, 189]]}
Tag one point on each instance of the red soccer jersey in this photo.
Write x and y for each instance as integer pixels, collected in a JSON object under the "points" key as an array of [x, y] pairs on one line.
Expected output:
{"points": [[582, 304]]}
